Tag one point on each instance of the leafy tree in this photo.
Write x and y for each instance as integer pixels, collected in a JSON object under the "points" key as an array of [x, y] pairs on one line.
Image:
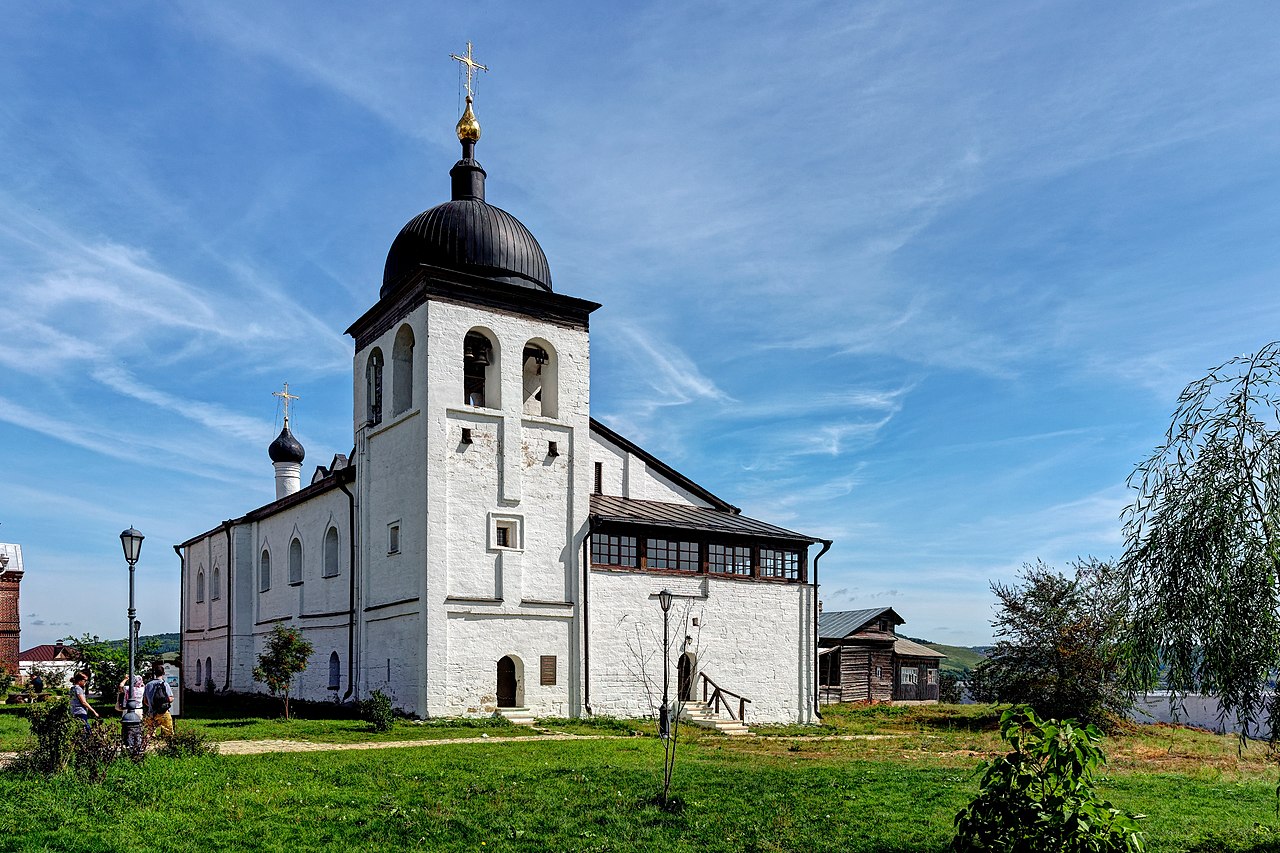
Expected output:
{"points": [[107, 660], [1057, 647], [1201, 565], [284, 656], [1040, 797]]}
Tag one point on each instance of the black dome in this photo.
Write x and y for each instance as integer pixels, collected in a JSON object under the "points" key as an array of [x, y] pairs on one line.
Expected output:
{"points": [[471, 236], [286, 448]]}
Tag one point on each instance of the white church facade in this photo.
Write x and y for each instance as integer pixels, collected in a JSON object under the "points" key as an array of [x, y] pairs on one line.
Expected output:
{"points": [[488, 545]]}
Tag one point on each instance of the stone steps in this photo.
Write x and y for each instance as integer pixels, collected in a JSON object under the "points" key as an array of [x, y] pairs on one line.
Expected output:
{"points": [[700, 715], [518, 716]]}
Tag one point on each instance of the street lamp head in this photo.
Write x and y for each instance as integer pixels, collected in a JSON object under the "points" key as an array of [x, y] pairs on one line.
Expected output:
{"points": [[131, 540], [664, 599]]}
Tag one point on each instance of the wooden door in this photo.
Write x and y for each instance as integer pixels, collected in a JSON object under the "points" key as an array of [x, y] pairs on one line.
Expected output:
{"points": [[506, 683], [684, 678]]}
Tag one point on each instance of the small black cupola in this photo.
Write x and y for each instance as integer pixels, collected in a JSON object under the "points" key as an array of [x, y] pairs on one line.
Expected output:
{"points": [[286, 448]]}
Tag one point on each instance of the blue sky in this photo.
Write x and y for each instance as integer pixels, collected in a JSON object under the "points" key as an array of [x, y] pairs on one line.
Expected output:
{"points": [[925, 279]]}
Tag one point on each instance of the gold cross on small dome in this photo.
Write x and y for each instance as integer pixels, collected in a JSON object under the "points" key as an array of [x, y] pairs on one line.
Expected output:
{"points": [[472, 67], [286, 396]]}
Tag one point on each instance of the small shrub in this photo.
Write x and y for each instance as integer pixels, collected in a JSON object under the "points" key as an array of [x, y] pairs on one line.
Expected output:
{"points": [[1040, 797], [187, 743], [378, 712], [54, 729], [96, 749]]}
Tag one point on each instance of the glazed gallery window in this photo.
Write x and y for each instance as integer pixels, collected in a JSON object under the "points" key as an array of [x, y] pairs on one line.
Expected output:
{"points": [[729, 559], [779, 564], [607, 550], [671, 554]]}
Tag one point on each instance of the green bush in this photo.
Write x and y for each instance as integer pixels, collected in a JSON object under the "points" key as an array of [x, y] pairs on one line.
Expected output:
{"points": [[1040, 797], [186, 743], [96, 749], [378, 712], [54, 730]]}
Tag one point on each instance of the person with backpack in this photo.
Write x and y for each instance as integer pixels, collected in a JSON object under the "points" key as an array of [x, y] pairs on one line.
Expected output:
{"points": [[157, 699]]}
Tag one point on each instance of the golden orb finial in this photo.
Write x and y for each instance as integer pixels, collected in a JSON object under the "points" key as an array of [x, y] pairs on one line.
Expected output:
{"points": [[468, 126]]}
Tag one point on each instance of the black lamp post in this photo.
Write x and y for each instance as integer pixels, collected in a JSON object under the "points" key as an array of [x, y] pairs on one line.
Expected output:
{"points": [[664, 715], [131, 541]]}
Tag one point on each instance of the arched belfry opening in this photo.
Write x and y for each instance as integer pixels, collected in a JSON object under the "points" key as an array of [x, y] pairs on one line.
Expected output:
{"points": [[373, 389], [480, 377], [402, 371], [539, 374], [510, 691]]}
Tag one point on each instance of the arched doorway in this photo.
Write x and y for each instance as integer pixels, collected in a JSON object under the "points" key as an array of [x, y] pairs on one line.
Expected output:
{"points": [[506, 683], [684, 677]]}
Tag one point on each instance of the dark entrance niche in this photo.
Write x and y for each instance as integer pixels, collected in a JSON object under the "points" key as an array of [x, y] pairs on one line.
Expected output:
{"points": [[506, 683], [684, 678]]}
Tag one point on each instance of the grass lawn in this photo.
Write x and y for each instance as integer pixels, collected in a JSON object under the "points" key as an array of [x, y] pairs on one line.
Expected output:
{"points": [[892, 793]]}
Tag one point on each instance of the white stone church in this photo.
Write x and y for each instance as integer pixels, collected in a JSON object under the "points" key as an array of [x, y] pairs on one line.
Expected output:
{"points": [[488, 545]]}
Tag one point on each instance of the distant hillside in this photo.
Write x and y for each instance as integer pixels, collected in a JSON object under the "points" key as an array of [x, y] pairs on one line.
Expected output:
{"points": [[167, 642], [960, 659]]}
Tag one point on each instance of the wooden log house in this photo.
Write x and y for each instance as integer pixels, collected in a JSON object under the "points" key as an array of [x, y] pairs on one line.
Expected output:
{"points": [[862, 659]]}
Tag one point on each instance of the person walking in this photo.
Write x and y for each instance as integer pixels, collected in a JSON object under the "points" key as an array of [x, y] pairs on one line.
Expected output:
{"points": [[129, 703], [157, 699], [80, 707]]}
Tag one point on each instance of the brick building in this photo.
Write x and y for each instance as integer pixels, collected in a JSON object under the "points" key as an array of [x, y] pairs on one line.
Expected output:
{"points": [[10, 626]]}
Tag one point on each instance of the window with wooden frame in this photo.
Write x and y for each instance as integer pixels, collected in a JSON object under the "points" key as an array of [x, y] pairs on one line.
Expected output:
{"points": [[672, 554], [776, 563], [610, 550], [908, 675], [729, 559]]}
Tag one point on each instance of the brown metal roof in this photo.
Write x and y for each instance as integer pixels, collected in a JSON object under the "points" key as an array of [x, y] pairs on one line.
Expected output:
{"points": [[608, 508]]}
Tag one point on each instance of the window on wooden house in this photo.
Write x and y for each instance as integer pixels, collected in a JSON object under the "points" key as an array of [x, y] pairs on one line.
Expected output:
{"points": [[775, 563], [373, 389], [609, 550], [671, 554], [908, 675], [729, 559], [931, 676]]}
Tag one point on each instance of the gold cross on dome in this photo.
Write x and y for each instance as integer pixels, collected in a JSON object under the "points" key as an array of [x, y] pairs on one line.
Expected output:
{"points": [[472, 67], [286, 396]]}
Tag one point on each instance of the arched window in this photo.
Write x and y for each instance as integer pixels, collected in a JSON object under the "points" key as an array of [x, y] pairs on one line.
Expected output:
{"points": [[539, 370], [208, 674], [264, 571], [402, 371], [295, 561], [480, 383], [335, 671], [200, 587], [331, 552], [215, 589], [373, 393], [199, 673]]}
